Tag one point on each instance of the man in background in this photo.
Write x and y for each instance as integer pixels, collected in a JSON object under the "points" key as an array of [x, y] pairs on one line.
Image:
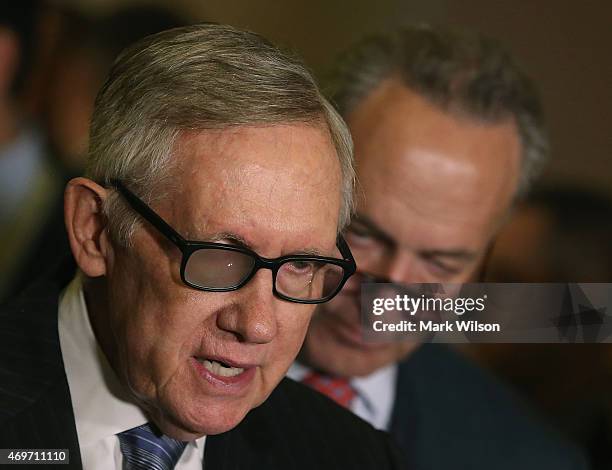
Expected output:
{"points": [[448, 132]]}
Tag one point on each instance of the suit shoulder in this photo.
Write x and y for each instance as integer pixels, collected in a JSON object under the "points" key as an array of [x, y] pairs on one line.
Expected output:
{"points": [[475, 414], [31, 359]]}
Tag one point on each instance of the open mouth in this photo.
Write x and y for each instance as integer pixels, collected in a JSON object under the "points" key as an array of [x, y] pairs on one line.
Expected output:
{"points": [[220, 368], [227, 375]]}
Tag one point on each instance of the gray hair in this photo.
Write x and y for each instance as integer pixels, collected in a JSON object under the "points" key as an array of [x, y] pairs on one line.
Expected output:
{"points": [[199, 77], [458, 71]]}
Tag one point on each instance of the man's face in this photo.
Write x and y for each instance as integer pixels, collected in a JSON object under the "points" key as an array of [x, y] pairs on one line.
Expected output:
{"points": [[274, 189], [435, 187]]}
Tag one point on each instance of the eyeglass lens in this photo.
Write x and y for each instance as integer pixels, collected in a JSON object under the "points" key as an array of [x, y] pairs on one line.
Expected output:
{"points": [[308, 280], [218, 268], [297, 279]]}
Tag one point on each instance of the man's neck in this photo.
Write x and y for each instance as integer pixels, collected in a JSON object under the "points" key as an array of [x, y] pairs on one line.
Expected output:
{"points": [[94, 291]]}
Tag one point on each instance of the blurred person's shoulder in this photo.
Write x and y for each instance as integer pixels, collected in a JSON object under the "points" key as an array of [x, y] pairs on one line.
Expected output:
{"points": [[297, 427], [443, 399]]}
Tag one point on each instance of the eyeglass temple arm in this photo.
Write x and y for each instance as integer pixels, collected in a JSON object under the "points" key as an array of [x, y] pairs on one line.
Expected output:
{"points": [[149, 215], [345, 251]]}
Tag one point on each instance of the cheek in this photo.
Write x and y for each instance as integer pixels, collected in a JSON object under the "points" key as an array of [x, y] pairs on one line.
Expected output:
{"points": [[343, 309], [321, 340], [291, 333], [152, 347], [156, 332]]}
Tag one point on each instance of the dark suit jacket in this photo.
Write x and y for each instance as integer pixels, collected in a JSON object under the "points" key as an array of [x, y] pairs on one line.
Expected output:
{"points": [[296, 428], [449, 414]]}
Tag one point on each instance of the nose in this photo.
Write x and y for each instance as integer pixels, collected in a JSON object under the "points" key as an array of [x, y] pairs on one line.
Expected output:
{"points": [[254, 318], [400, 267]]}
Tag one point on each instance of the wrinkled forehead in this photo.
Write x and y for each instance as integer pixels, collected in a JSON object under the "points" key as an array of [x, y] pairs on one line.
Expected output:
{"points": [[435, 202], [416, 162], [274, 185]]}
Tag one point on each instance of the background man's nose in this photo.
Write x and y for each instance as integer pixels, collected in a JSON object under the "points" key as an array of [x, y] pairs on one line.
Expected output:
{"points": [[400, 268]]}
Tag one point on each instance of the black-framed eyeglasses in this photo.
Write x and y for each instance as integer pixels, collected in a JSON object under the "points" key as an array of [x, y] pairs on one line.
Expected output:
{"points": [[218, 267]]}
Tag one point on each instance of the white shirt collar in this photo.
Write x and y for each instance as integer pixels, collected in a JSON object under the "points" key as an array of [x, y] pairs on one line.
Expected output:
{"points": [[102, 407], [377, 393]]}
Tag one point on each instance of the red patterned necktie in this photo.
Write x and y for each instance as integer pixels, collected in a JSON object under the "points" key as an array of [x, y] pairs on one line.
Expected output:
{"points": [[337, 388]]}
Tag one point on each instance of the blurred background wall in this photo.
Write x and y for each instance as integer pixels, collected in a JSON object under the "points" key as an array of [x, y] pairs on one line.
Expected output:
{"points": [[563, 45]]}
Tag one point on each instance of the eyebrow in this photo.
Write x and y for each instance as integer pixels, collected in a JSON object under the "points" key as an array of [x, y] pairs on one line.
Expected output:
{"points": [[377, 232], [312, 252], [233, 237], [242, 242], [460, 255]]}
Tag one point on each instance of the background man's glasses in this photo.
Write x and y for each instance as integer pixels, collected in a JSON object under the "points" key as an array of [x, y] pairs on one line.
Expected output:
{"points": [[217, 267]]}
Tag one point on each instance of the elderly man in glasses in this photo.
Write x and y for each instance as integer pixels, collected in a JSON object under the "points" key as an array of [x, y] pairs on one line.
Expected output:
{"points": [[205, 231]]}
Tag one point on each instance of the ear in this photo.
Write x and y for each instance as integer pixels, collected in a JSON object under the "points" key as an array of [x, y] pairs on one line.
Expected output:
{"points": [[85, 224]]}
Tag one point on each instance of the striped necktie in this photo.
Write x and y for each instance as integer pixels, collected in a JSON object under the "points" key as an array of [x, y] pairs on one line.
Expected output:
{"points": [[145, 448], [338, 389]]}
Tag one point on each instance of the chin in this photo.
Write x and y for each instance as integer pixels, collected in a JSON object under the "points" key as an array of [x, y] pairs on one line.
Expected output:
{"points": [[355, 366], [219, 424], [345, 361], [187, 423], [212, 421]]}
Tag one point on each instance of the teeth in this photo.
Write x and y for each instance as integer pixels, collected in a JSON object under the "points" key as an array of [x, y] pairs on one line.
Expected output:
{"points": [[218, 369]]}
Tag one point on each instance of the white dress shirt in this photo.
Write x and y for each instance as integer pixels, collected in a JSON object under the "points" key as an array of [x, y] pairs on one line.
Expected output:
{"points": [[101, 406], [375, 393]]}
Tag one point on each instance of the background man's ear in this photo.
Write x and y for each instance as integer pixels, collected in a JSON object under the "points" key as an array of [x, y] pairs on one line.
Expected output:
{"points": [[85, 224]]}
